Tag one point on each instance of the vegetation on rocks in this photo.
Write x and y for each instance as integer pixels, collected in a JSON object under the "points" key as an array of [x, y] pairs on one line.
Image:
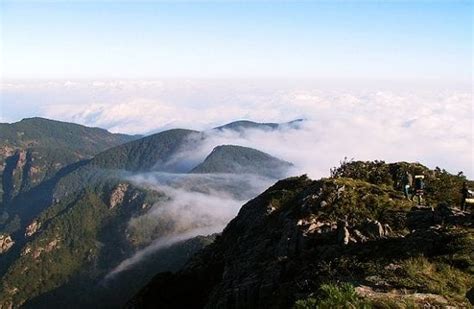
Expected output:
{"points": [[351, 240]]}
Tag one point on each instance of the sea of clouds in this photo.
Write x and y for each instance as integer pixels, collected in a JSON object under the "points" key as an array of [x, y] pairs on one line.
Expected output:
{"points": [[430, 124]]}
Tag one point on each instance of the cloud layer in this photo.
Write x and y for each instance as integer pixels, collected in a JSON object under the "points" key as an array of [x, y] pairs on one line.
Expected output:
{"points": [[196, 204], [425, 124]]}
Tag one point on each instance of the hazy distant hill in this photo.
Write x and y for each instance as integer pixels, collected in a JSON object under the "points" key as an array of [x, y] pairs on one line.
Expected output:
{"points": [[242, 125], [242, 160]]}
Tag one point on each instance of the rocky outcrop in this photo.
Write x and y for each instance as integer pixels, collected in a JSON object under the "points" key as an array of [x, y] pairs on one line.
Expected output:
{"points": [[318, 231], [16, 173], [373, 229], [118, 194], [50, 246], [343, 235], [6, 242], [32, 228], [422, 216], [26, 250]]}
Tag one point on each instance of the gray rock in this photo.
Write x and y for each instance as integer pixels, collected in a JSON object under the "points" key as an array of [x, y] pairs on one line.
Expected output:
{"points": [[359, 236], [374, 229]]}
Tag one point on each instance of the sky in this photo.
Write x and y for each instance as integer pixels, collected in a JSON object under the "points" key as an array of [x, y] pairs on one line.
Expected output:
{"points": [[387, 80], [429, 40]]}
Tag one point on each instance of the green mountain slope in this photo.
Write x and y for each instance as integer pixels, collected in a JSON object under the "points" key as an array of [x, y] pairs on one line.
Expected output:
{"points": [[138, 155], [242, 160], [34, 149], [57, 134], [146, 153], [351, 240], [81, 235], [93, 292], [79, 230]]}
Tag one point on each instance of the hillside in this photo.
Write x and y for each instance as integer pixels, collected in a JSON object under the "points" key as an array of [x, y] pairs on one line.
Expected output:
{"points": [[349, 241], [69, 232], [242, 160], [137, 155], [150, 152], [56, 134], [81, 234], [34, 149]]}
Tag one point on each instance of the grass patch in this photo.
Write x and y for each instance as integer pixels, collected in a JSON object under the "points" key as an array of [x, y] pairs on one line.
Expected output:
{"points": [[435, 277], [334, 296]]}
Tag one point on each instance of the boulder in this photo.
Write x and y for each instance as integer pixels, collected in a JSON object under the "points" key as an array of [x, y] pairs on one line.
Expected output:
{"points": [[32, 228], [6, 242], [374, 229], [359, 236]]}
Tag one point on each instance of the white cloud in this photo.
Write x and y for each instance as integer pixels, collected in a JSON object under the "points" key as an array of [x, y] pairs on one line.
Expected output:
{"points": [[430, 125], [196, 204]]}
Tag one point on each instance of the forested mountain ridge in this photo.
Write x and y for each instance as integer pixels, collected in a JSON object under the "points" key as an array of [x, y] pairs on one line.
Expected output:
{"points": [[34, 149], [240, 160], [71, 230]]}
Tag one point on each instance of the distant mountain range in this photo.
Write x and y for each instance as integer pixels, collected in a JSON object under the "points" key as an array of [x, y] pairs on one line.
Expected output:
{"points": [[242, 125], [67, 201]]}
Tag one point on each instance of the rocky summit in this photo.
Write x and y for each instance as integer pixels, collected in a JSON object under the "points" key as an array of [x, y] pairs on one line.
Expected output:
{"points": [[349, 241]]}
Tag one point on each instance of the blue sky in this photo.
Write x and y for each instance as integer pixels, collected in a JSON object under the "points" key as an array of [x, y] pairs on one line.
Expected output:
{"points": [[407, 40], [141, 67]]}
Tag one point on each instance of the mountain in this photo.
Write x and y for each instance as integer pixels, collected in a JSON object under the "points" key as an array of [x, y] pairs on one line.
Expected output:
{"points": [[137, 155], [242, 125], [149, 152], [34, 149], [242, 160], [65, 235], [351, 240], [56, 134]]}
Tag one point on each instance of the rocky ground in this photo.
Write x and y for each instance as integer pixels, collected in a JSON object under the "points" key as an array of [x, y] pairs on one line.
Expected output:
{"points": [[350, 240]]}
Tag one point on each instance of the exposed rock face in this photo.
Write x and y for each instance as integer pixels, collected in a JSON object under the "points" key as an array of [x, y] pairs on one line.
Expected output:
{"points": [[6, 242], [343, 236], [32, 228], [15, 174], [118, 194], [21, 161], [53, 244]]}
